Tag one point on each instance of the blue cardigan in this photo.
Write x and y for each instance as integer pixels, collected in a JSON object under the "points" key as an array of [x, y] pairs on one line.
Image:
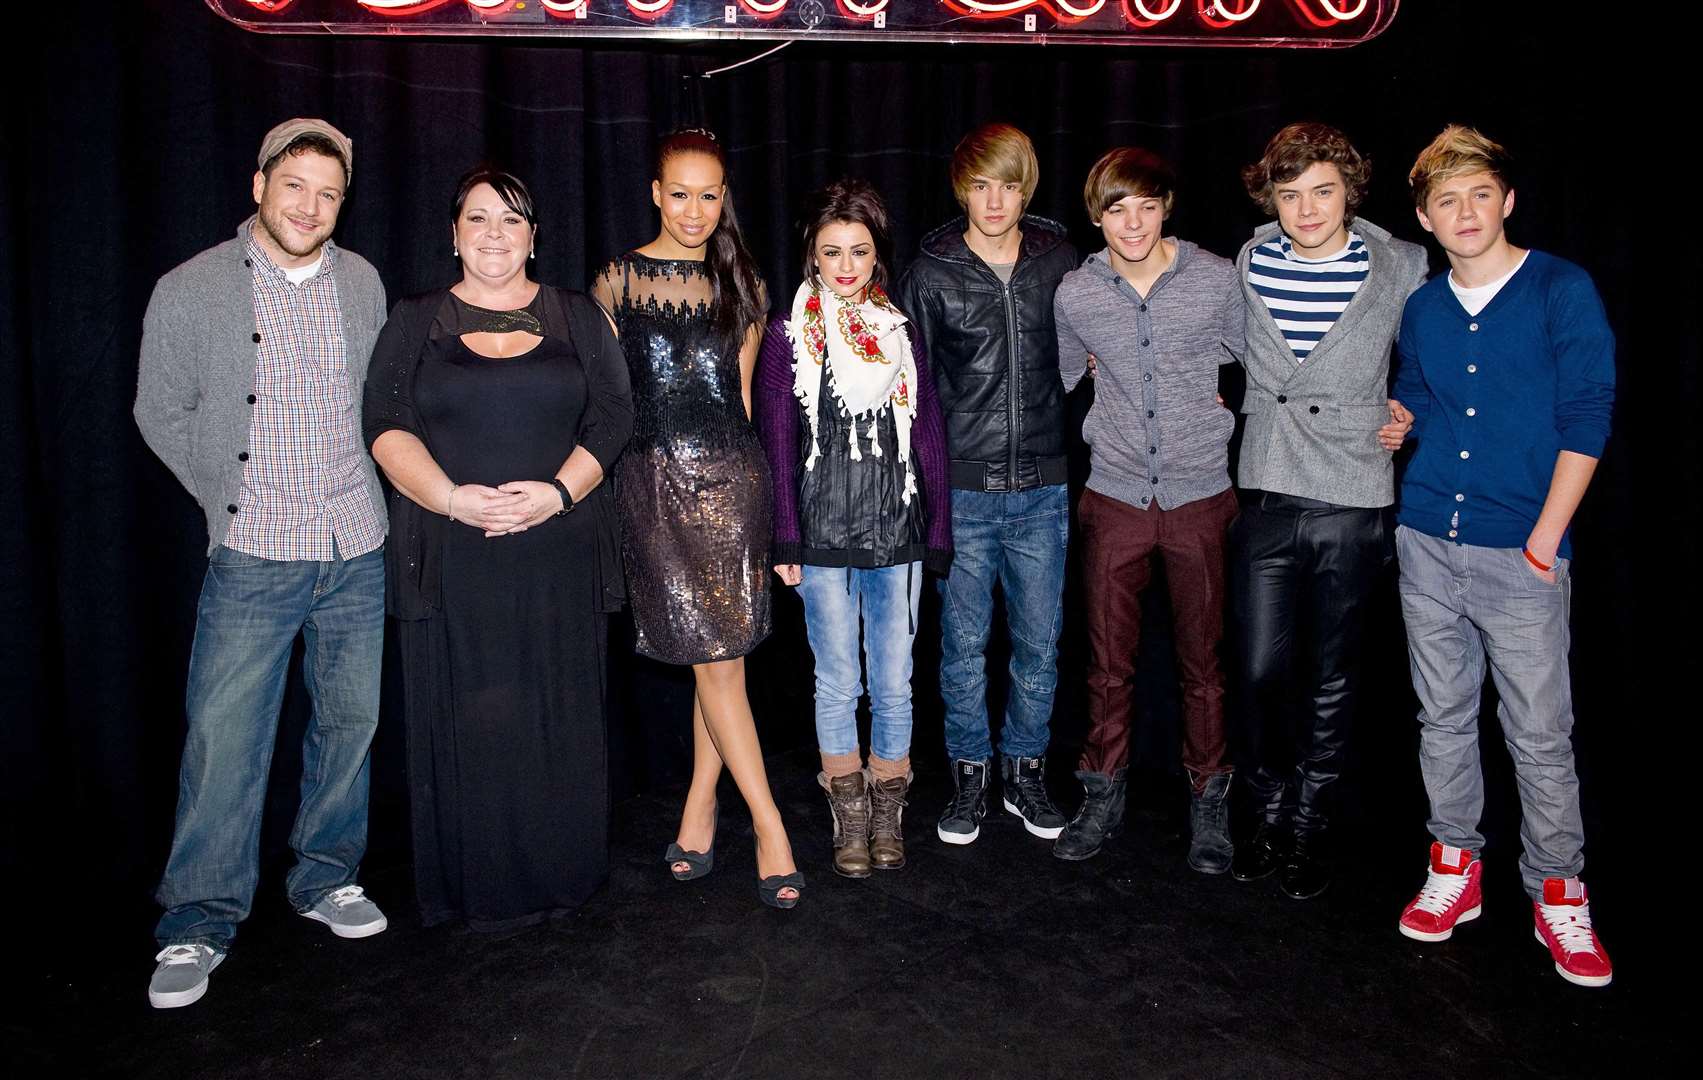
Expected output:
{"points": [[1496, 396]]}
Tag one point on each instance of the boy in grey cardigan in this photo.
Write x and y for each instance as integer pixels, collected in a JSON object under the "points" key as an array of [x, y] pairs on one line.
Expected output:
{"points": [[1159, 315], [253, 357], [1323, 291]]}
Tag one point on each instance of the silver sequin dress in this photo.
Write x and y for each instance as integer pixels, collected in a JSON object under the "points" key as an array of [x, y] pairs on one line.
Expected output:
{"points": [[692, 487]]}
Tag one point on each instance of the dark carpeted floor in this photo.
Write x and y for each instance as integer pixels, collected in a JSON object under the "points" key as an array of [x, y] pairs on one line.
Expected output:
{"points": [[993, 960]]}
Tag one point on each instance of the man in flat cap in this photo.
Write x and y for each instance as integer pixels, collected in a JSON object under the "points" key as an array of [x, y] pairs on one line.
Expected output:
{"points": [[253, 357]]}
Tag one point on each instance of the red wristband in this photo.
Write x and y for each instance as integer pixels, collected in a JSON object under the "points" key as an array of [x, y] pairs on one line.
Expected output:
{"points": [[1527, 552]]}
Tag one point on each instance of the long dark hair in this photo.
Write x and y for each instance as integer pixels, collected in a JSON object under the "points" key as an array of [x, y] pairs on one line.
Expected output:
{"points": [[853, 202], [737, 298]]}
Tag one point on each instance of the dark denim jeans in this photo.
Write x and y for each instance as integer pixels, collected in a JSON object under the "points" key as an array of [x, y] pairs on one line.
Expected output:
{"points": [[250, 613], [1017, 540]]}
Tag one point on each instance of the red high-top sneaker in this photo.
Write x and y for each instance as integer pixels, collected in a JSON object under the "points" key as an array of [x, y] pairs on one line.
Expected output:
{"points": [[1563, 922], [1451, 895]]}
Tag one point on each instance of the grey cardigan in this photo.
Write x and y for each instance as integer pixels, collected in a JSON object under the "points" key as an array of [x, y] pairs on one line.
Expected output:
{"points": [[1313, 427], [1158, 357], [197, 369]]}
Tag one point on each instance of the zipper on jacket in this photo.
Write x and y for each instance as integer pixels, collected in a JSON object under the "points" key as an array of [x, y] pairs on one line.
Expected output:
{"points": [[1012, 385]]}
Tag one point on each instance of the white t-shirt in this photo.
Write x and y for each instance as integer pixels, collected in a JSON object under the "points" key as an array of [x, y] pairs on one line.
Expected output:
{"points": [[299, 274], [1478, 297]]}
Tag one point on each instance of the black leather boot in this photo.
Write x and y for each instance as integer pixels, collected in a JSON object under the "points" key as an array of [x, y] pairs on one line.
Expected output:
{"points": [[1100, 819], [1259, 857], [1307, 871]]}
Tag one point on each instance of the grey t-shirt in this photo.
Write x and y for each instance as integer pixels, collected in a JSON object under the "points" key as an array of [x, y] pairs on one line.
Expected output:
{"points": [[1003, 270]]}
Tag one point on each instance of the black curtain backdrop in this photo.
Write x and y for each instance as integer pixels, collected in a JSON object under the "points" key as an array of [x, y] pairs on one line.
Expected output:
{"points": [[133, 150]]}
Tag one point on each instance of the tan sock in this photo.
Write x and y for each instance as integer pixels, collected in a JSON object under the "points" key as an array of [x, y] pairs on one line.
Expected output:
{"points": [[882, 769], [841, 764]]}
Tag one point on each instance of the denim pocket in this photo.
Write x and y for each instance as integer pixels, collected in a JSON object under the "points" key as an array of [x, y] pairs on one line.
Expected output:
{"points": [[230, 558]]}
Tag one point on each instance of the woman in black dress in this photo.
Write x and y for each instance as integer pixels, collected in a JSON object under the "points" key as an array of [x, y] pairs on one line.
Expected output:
{"points": [[495, 407], [693, 488]]}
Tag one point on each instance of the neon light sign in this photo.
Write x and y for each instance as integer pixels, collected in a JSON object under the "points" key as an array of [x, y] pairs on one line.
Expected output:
{"points": [[1291, 23]]}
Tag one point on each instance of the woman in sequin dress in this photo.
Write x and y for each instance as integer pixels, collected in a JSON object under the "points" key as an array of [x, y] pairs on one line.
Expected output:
{"points": [[693, 486]]}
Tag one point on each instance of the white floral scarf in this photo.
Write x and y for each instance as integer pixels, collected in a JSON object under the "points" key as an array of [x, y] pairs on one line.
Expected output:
{"points": [[869, 361]]}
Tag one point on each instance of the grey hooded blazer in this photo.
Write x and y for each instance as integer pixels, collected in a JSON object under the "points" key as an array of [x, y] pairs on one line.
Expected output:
{"points": [[1312, 427]]}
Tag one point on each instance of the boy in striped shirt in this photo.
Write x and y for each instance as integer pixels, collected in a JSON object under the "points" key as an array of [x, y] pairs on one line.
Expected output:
{"points": [[1324, 291]]}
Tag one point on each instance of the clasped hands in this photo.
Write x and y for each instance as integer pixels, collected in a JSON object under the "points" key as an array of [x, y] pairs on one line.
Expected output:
{"points": [[507, 508]]}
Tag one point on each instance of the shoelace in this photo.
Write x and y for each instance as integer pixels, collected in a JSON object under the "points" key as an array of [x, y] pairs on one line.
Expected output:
{"points": [[348, 894], [966, 799], [1440, 892], [1032, 797], [1571, 926], [180, 954]]}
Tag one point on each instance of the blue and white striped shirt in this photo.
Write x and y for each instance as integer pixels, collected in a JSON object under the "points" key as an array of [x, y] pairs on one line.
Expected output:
{"points": [[1305, 296]]}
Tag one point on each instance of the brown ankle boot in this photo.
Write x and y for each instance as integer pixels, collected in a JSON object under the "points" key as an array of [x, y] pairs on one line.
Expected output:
{"points": [[848, 798], [886, 807]]}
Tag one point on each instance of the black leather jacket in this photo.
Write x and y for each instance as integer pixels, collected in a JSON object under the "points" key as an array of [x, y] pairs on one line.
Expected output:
{"points": [[995, 354]]}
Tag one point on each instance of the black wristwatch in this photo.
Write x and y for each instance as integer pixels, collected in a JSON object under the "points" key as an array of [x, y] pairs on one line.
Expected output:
{"points": [[567, 500]]}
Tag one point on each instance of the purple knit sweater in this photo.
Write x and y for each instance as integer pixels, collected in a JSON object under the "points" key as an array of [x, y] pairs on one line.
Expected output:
{"points": [[780, 415]]}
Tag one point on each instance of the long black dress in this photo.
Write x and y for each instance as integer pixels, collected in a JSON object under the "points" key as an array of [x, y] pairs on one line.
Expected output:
{"points": [[504, 679], [693, 486]]}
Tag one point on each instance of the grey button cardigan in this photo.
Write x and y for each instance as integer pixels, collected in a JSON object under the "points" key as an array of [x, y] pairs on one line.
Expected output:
{"points": [[197, 369]]}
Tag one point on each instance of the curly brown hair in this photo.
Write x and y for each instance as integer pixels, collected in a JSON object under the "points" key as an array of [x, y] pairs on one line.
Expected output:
{"points": [[1297, 148]]}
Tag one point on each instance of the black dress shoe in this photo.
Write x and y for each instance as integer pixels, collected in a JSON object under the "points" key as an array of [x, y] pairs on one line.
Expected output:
{"points": [[1307, 871], [1257, 858]]}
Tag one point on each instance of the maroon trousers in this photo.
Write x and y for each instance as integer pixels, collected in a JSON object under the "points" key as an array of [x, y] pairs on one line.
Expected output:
{"points": [[1119, 543]]}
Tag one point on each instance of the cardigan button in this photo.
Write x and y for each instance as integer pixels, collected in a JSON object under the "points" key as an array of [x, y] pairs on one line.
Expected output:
{"points": [[1472, 369], [1314, 409], [257, 337], [232, 508], [1283, 399], [1460, 496], [243, 456], [1473, 327], [1453, 533], [251, 399], [1465, 454]]}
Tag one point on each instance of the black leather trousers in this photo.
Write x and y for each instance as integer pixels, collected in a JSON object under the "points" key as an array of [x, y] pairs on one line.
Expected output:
{"points": [[1301, 574]]}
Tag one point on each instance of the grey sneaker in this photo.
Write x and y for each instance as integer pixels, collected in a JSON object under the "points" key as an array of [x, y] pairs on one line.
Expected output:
{"points": [[348, 912], [181, 978]]}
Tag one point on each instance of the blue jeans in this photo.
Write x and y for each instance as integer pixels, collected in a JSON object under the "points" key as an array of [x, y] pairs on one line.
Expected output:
{"points": [[1468, 608], [888, 599], [1018, 540], [250, 612]]}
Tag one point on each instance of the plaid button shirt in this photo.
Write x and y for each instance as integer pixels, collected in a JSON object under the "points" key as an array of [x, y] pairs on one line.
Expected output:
{"points": [[304, 493]]}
